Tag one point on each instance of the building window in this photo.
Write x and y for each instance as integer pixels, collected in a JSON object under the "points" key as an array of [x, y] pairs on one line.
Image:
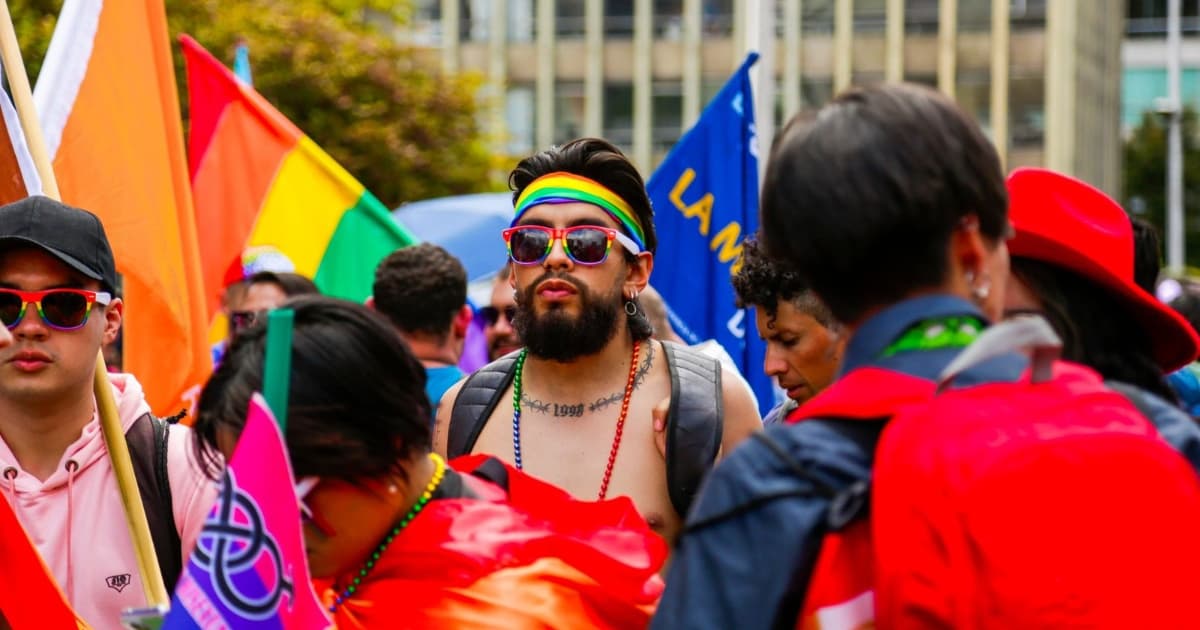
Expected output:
{"points": [[717, 18], [569, 18], [870, 16], [1027, 111], [618, 114], [668, 19], [618, 19], [520, 20], [817, 16], [667, 119], [815, 92], [568, 111], [520, 116], [1148, 18]]}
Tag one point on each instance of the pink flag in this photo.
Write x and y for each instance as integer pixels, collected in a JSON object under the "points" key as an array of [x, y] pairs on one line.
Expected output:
{"points": [[249, 569]]}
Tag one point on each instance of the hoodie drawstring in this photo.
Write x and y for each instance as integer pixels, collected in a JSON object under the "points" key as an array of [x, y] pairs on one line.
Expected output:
{"points": [[71, 467], [10, 475]]}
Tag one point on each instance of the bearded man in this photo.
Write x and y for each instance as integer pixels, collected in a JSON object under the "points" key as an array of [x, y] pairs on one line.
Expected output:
{"points": [[574, 406]]}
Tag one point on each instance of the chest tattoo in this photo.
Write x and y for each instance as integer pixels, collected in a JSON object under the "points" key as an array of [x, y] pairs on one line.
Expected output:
{"points": [[559, 409]]}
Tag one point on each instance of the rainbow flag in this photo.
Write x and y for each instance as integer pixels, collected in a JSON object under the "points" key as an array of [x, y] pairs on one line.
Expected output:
{"points": [[258, 180], [248, 569]]}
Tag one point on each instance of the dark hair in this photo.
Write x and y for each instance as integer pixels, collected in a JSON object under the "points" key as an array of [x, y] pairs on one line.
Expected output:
{"points": [[862, 197], [603, 163], [292, 284], [765, 282], [599, 161], [420, 288], [1147, 254], [356, 405], [1096, 330]]}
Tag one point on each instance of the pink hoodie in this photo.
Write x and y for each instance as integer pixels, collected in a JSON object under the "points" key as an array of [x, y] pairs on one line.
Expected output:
{"points": [[76, 520]]}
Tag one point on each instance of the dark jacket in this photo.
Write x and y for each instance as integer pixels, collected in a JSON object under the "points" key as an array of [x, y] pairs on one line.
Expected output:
{"points": [[750, 542]]}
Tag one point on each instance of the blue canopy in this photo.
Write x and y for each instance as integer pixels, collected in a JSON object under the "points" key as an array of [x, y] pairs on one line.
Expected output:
{"points": [[467, 226]]}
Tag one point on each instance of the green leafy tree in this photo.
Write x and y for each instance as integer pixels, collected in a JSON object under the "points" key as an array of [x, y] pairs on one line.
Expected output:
{"points": [[404, 130], [1145, 176]]}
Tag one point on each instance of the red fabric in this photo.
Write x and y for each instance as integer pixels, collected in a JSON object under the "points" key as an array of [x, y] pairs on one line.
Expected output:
{"points": [[29, 597], [1069, 224], [540, 560], [847, 397], [1019, 505]]}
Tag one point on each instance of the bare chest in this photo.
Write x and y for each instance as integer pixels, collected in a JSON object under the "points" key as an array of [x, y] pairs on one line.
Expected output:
{"points": [[582, 446]]}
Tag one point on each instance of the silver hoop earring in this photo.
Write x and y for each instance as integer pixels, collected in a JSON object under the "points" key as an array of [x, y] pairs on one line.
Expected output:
{"points": [[631, 308]]}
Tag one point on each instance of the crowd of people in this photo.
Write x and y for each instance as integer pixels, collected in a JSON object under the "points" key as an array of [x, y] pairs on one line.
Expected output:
{"points": [[986, 419]]}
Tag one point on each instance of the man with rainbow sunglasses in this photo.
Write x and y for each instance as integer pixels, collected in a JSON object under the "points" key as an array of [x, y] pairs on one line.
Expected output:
{"points": [[58, 301], [574, 406]]}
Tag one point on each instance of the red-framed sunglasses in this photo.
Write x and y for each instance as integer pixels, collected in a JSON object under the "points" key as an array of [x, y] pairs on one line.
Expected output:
{"points": [[584, 244], [60, 309]]}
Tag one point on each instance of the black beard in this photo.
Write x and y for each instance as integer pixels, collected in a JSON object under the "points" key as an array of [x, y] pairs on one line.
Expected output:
{"points": [[557, 336]]}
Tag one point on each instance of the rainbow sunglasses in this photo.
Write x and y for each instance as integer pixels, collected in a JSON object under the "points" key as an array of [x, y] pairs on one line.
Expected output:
{"points": [[583, 244], [60, 309]]}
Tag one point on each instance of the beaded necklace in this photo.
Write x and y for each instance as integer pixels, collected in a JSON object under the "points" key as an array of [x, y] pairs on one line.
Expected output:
{"points": [[612, 455], [439, 472]]}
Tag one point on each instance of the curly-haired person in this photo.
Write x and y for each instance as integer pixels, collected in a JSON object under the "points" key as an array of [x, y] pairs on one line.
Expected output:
{"points": [[804, 344]]}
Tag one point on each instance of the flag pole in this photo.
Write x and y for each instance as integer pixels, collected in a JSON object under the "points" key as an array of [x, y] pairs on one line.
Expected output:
{"points": [[106, 406]]}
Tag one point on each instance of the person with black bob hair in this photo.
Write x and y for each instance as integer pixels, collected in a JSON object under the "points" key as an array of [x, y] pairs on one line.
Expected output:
{"points": [[382, 515]]}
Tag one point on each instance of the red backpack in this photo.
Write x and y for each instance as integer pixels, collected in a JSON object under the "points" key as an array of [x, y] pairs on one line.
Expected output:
{"points": [[1045, 502]]}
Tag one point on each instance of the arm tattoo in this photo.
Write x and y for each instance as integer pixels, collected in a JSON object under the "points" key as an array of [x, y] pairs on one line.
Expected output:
{"points": [[559, 410]]}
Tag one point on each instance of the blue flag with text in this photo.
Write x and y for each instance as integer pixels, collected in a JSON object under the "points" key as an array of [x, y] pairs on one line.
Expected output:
{"points": [[705, 197]]}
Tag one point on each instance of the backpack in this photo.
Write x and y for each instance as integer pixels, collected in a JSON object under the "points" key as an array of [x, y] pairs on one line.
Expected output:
{"points": [[147, 440], [1043, 501], [694, 421]]}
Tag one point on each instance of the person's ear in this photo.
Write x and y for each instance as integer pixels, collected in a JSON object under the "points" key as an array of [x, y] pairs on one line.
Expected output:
{"points": [[114, 314], [462, 321], [638, 274]]}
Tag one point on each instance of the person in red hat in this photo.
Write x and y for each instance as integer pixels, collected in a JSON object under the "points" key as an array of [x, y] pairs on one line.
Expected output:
{"points": [[1073, 263]]}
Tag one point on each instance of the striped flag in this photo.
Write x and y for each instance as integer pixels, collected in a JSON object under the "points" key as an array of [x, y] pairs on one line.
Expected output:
{"points": [[258, 180], [108, 106]]}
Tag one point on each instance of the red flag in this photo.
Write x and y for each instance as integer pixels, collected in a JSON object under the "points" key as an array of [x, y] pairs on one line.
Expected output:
{"points": [[29, 597]]}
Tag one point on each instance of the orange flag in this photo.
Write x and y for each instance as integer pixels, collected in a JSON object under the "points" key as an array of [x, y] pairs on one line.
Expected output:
{"points": [[29, 597], [107, 103]]}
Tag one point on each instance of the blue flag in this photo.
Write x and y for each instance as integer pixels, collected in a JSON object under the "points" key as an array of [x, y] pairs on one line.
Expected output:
{"points": [[705, 197]]}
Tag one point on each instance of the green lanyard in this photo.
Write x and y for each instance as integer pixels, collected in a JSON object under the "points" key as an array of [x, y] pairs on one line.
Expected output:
{"points": [[938, 333]]}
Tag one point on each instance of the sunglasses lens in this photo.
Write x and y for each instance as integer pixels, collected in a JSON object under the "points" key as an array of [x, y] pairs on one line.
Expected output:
{"points": [[490, 315], [65, 309], [587, 245], [528, 245], [10, 308], [510, 313]]}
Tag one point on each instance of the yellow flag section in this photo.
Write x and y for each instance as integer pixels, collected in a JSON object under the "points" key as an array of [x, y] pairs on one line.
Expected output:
{"points": [[106, 98], [308, 178]]}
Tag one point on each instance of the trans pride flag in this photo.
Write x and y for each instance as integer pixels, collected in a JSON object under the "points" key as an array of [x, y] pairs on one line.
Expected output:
{"points": [[249, 569]]}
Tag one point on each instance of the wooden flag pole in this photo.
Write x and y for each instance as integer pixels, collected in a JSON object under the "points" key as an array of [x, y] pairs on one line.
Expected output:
{"points": [[106, 406]]}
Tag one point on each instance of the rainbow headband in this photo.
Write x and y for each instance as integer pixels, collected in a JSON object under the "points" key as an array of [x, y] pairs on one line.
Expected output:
{"points": [[561, 187]]}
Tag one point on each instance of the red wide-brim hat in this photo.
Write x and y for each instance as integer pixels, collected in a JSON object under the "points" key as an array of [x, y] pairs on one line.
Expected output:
{"points": [[1065, 222]]}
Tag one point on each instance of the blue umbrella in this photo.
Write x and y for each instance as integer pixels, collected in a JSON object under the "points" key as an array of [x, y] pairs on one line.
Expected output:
{"points": [[467, 226]]}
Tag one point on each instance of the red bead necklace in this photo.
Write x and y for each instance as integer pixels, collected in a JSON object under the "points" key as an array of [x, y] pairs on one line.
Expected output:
{"points": [[616, 445]]}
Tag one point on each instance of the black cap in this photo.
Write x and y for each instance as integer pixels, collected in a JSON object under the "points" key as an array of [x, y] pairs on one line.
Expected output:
{"points": [[72, 235]]}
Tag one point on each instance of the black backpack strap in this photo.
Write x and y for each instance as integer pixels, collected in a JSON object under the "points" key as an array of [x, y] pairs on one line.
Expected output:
{"points": [[476, 400], [147, 440], [695, 422]]}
